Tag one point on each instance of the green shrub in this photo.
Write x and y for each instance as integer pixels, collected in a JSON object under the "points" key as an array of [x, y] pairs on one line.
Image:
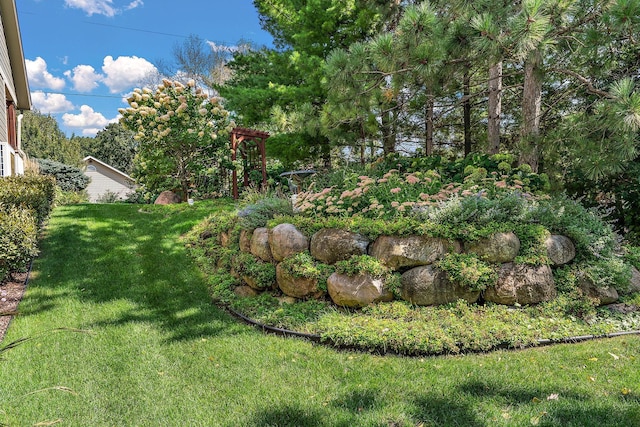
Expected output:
{"points": [[302, 264], [31, 192], [263, 273], [361, 264], [70, 197], [533, 250], [18, 240], [108, 197], [632, 256], [468, 270], [68, 178], [593, 238], [256, 215]]}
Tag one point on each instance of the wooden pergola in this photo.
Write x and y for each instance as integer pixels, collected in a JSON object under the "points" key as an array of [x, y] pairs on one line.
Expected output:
{"points": [[252, 145]]}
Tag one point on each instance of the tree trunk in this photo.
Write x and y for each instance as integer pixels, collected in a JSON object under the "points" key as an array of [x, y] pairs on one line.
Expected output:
{"points": [[428, 125], [388, 135], [363, 143], [466, 111], [495, 107], [531, 104]]}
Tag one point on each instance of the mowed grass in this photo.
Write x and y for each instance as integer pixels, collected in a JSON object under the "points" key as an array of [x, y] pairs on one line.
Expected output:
{"points": [[143, 346]]}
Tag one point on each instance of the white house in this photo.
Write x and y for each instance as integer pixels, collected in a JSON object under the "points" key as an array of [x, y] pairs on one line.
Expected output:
{"points": [[106, 180], [15, 93]]}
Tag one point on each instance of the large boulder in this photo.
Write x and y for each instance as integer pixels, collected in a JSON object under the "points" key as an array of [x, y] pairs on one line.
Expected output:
{"points": [[354, 291], [560, 249], [286, 240], [252, 282], [411, 251], [330, 245], [293, 286], [604, 294], [245, 240], [167, 198], [522, 284], [498, 248], [260, 244], [427, 285]]}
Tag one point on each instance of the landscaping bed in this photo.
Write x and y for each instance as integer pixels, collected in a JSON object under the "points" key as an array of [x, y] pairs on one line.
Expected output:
{"points": [[259, 261], [11, 293]]}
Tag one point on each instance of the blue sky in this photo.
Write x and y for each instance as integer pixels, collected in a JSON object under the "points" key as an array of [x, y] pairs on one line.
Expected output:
{"points": [[84, 56]]}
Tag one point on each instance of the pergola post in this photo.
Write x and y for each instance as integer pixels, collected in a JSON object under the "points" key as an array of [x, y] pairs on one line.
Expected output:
{"points": [[240, 136]]}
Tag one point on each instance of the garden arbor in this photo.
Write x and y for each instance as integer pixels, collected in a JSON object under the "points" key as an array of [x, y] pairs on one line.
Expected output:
{"points": [[252, 147]]}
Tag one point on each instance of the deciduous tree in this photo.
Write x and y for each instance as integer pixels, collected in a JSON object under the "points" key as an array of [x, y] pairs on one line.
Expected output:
{"points": [[181, 132]]}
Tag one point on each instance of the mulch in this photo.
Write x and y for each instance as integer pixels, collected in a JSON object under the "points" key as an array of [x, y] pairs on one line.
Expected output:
{"points": [[11, 293]]}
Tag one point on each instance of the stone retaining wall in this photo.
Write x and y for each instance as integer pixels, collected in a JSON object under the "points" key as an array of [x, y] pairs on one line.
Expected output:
{"points": [[422, 283]]}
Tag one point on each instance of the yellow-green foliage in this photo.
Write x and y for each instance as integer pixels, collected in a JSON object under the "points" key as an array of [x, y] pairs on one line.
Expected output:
{"points": [[18, 240]]}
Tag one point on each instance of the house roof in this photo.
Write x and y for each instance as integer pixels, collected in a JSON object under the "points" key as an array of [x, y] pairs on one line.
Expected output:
{"points": [[90, 159], [9, 17]]}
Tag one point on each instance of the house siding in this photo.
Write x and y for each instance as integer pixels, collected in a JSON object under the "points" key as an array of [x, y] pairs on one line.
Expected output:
{"points": [[104, 180], [5, 64]]}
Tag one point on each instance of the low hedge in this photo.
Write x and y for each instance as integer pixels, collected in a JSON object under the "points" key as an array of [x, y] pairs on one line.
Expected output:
{"points": [[18, 240], [30, 192], [25, 203]]}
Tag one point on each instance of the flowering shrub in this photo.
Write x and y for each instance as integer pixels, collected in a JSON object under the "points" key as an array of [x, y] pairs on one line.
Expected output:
{"points": [[179, 129], [398, 194]]}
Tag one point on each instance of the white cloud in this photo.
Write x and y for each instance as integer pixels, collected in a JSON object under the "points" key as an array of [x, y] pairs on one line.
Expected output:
{"points": [[125, 72], [40, 77], [50, 103], [84, 78], [101, 7], [134, 4], [98, 7], [88, 120]]}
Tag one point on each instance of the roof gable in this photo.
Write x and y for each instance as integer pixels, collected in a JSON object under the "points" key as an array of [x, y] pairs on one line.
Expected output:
{"points": [[90, 159]]}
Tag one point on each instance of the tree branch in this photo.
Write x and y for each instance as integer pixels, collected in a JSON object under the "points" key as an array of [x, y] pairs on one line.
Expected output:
{"points": [[585, 81]]}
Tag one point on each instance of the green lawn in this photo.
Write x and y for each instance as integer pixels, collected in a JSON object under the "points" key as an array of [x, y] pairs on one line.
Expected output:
{"points": [[150, 350]]}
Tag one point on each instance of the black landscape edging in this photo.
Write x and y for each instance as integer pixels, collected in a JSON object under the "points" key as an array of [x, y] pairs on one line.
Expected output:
{"points": [[503, 346]]}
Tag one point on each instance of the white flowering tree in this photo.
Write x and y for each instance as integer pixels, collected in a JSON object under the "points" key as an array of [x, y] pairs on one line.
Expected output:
{"points": [[181, 134]]}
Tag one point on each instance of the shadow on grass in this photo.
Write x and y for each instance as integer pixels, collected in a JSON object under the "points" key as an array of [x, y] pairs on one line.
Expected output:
{"points": [[109, 253], [352, 410], [571, 408]]}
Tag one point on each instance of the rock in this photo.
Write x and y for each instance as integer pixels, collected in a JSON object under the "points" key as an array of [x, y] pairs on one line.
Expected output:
{"points": [[560, 249], [286, 240], [623, 308], [253, 284], [167, 198], [387, 296], [522, 284], [427, 285], [397, 252], [605, 295], [297, 287], [634, 283], [498, 248], [225, 239], [354, 291], [286, 300], [330, 245], [245, 240], [260, 244], [245, 291]]}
